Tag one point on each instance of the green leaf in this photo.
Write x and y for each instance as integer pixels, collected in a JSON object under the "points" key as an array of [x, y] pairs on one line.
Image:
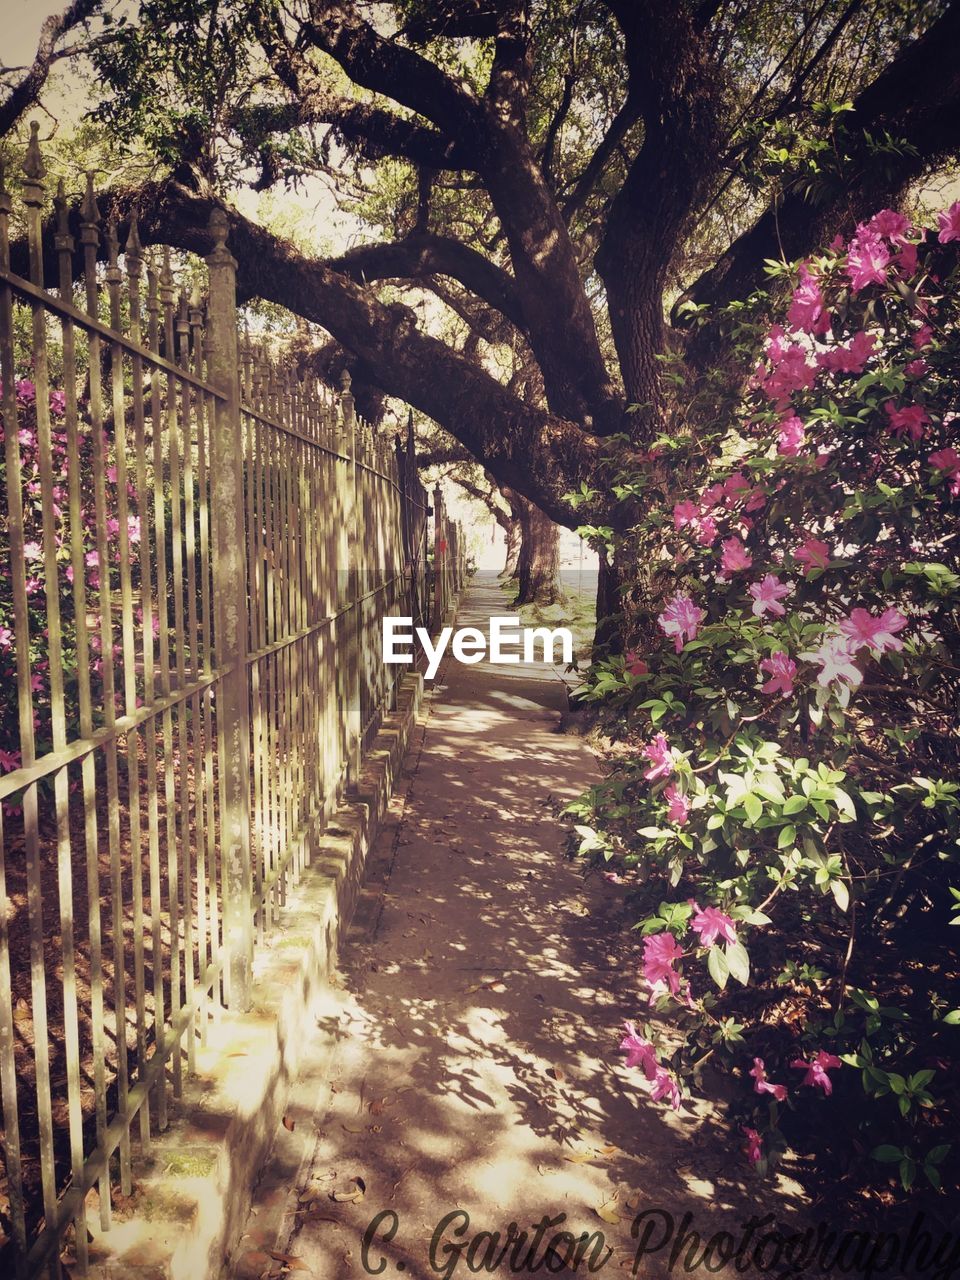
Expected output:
{"points": [[738, 962], [841, 893], [787, 837], [754, 807], [717, 967], [952, 1019], [793, 805], [886, 1154]]}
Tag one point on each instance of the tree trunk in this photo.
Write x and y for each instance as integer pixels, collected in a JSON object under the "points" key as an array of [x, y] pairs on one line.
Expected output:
{"points": [[538, 564], [511, 529]]}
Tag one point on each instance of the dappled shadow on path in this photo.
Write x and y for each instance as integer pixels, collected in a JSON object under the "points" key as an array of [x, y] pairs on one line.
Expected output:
{"points": [[477, 1067]]}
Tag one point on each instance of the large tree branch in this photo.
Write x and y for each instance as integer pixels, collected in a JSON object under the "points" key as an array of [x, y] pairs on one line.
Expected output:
{"points": [[375, 63], [27, 90], [536, 452], [419, 256], [556, 311], [374, 132], [917, 99]]}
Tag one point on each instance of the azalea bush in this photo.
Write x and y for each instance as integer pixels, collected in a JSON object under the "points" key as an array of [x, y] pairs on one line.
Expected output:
{"points": [[35, 570], [782, 812]]}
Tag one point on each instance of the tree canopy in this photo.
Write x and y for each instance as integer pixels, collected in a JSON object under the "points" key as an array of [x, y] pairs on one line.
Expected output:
{"points": [[579, 187]]}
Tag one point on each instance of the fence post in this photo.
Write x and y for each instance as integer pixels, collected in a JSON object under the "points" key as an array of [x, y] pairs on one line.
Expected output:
{"points": [[438, 551], [355, 535], [230, 612]]}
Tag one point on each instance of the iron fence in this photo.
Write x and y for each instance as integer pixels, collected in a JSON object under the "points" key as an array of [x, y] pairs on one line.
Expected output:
{"points": [[196, 551]]}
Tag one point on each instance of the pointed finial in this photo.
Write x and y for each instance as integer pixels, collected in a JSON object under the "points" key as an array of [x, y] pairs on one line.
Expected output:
{"points": [[90, 210], [33, 160], [133, 248], [112, 241], [60, 207], [345, 381], [219, 227]]}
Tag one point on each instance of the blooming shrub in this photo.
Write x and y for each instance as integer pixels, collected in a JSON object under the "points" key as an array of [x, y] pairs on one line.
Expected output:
{"points": [[786, 828], [36, 576]]}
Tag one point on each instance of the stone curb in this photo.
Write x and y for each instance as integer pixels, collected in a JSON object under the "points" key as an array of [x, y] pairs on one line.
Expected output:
{"points": [[194, 1191]]}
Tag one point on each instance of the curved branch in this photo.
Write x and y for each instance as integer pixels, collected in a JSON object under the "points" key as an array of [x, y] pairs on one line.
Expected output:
{"points": [[375, 63], [24, 94], [423, 255], [375, 132]]}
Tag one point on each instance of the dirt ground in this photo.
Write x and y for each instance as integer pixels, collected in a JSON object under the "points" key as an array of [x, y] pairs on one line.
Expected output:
{"points": [[467, 1077]]}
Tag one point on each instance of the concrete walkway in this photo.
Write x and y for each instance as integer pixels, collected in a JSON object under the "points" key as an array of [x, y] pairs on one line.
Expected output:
{"points": [[468, 1060]]}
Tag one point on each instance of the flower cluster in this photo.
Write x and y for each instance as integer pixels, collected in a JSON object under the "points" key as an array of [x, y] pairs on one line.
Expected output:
{"points": [[800, 684]]}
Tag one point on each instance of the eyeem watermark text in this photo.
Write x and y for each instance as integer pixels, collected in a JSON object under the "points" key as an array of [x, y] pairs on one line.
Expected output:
{"points": [[503, 645]]}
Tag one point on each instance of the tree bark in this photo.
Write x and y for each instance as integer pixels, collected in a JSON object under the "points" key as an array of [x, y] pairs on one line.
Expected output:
{"points": [[538, 563], [512, 533]]}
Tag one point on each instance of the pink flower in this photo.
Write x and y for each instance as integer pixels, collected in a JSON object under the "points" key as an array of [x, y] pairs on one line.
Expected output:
{"points": [[712, 923], [9, 760], [58, 403], [636, 666], [916, 368], [762, 1084], [663, 1085], [851, 358], [906, 261], [707, 531], [661, 758], [756, 500], [923, 337], [684, 513], [817, 1070], [813, 554], [863, 630], [32, 551], [660, 954], [6, 638], [781, 670], [793, 372], [678, 806], [807, 307], [640, 1052], [767, 594], [775, 344], [733, 486], [681, 619], [836, 662], [711, 496], [948, 461], [949, 222], [912, 419], [890, 224], [791, 436], [735, 556], [867, 259], [133, 528], [26, 391], [753, 1147]]}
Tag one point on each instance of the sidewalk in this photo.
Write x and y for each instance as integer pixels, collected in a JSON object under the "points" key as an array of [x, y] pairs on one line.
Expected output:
{"points": [[469, 1058]]}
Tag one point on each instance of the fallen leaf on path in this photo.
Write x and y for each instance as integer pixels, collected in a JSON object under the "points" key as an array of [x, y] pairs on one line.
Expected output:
{"points": [[558, 1073], [608, 1212], [289, 1124], [581, 1157], [289, 1260], [351, 1197]]}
